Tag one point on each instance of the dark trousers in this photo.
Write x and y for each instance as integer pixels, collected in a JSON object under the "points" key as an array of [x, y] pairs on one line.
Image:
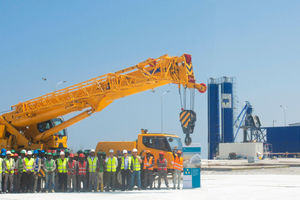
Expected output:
{"points": [[27, 181], [148, 174], [111, 178], [126, 175], [81, 178], [62, 181]]}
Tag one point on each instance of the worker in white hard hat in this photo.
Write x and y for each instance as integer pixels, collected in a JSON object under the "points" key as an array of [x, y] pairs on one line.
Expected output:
{"points": [[62, 172], [8, 168], [111, 164], [28, 169], [125, 170], [92, 162], [136, 168]]}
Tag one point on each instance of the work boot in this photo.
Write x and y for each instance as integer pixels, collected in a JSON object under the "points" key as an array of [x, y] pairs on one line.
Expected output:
{"points": [[53, 191], [174, 187], [168, 188], [158, 187], [101, 187], [46, 191], [178, 188], [140, 188]]}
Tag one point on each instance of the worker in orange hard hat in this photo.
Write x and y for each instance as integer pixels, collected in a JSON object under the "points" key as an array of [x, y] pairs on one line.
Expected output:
{"points": [[82, 169], [177, 167], [149, 162], [162, 164], [72, 168]]}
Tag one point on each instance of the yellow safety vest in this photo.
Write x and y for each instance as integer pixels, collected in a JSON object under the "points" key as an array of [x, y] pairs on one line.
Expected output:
{"points": [[62, 165], [136, 164], [111, 165], [1, 165], [92, 164], [29, 164], [9, 164], [123, 163]]}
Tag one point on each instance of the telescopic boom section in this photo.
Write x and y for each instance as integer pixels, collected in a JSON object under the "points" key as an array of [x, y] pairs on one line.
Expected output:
{"points": [[97, 93]]}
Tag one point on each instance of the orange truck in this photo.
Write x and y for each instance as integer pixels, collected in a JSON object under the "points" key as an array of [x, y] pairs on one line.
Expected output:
{"points": [[155, 142]]}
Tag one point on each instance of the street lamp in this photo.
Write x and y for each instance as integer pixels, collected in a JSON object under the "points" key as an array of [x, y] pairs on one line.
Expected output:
{"points": [[274, 122], [284, 108], [54, 87], [161, 100]]}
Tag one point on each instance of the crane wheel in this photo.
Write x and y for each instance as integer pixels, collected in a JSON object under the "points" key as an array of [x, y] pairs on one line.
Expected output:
{"points": [[188, 140]]}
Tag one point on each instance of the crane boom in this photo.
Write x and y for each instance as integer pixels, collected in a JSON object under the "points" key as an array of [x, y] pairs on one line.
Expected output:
{"points": [[97, 93]]}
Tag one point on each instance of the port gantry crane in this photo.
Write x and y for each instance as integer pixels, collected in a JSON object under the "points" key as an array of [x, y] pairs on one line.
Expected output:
{"points": [[37, 123]]}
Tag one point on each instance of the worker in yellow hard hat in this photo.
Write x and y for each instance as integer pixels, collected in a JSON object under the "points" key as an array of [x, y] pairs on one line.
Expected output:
{"points": [[177, 167]]}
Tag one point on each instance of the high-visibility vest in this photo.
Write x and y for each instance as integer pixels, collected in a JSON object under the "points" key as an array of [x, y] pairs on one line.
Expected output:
{"points": [[1, 160], [49, 166], [29, 164], [9, 164], [92, 164], [62, 165], [147, 164], [20, 165], [82, 168], [111, 165], [178, 163], [71, 166], [162, 162], [123, 163], [136, 164]]}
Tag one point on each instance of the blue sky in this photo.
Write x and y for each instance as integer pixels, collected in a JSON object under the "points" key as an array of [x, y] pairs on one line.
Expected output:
{"points": [[255, 41]]}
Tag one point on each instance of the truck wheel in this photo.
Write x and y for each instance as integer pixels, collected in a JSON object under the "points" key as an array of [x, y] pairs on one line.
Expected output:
{"points": [[119, 179]]}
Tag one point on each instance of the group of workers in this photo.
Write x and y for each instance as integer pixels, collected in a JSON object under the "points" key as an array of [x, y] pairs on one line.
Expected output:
{"points": [[62, 171]]}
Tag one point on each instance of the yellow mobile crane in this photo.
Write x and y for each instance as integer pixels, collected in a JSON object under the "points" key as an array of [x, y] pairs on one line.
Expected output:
{"points": [[37, 123]]}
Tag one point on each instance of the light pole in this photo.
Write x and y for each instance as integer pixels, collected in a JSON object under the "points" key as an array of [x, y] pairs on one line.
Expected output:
{"points": [[274, 122], [54, 87], [284, 108], [161, 100]]}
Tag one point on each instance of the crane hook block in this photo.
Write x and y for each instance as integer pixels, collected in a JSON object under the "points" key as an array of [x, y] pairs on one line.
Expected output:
{"points": [[187, 119]]}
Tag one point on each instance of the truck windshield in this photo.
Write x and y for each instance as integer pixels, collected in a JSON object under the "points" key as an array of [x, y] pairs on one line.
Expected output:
{"points": [[44, 126], [162, 142]]}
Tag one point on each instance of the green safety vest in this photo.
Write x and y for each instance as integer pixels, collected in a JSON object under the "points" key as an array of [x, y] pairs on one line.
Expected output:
{"points": [[9, 164], [62, 165], [20, 165], [92, 164], [1, 166], [50, 166], [123, 162], [101, 169], [136, 164], [111, 165], [29, 164]]}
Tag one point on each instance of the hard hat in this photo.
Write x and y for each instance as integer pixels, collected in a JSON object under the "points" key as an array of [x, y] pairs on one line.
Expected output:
{"points": [[76, 154], [43, 151], [50, 154], [35, 152], [62, 153], [71, 155], [3, 154], [161, 153], [179, 152], [92, 150], [46, 153], [23, 151], [111, 151], [13, 151], [3, 150], [148, 151], [29, 153], [103, 153], [79, 151], [8, 152], [99, 152], [67, 151], [125, 151], [16, 155], [81, 155], [134, 150], [54, 154], [86, 151]]}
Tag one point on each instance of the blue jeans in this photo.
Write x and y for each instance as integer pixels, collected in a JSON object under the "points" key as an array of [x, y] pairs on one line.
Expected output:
{"points": [[136, 174], [50, 181]]}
